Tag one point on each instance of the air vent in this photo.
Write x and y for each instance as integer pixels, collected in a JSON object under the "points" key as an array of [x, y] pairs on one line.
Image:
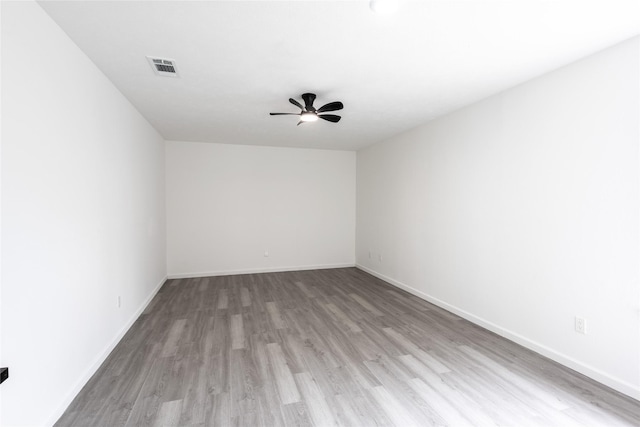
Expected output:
{"points": [[163, 67]]}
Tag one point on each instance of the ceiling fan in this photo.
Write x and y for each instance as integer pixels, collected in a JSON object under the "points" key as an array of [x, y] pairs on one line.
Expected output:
{"points": [[309, 114]]}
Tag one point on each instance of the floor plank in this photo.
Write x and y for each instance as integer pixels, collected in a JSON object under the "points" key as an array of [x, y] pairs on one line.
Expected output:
{"points": [[326, 348]]}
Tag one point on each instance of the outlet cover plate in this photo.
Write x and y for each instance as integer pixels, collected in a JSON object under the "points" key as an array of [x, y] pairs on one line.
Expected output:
{"points": [[581, 325]]}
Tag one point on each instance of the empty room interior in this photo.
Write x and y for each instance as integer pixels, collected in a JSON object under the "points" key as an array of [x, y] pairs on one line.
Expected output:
{"points": [[278, 213]]}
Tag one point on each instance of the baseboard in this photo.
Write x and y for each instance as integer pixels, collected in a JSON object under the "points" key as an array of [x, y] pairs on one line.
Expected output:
{"points": [[99, 360], [257, 270], [591, 372]]}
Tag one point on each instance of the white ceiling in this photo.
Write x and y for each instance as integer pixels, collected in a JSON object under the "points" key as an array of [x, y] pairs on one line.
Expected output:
{"points": [[240, 60]]}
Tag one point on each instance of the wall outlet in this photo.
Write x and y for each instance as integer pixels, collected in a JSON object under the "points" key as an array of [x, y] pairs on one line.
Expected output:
{"points": [[581, 325], [266, 254], [119, 301], [380, 257], [370, 258]]}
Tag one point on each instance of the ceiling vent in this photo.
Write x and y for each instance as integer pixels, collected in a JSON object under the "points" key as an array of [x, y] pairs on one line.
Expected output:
{"points": [[163, 67]]}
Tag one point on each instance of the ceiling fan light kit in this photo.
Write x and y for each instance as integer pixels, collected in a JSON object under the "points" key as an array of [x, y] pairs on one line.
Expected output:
{"points": [[308, 113], [308, 117]]}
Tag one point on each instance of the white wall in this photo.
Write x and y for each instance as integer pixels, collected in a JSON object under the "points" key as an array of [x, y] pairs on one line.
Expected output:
{"points": [[521, 212], [82, 219], [1, 211], [228, 204]]}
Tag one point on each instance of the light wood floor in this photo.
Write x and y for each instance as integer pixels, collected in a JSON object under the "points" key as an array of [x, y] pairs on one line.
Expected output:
{"points": [[328, 347]]}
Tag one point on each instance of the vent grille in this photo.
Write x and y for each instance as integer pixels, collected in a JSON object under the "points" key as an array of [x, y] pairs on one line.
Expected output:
{"points": [[163, 67]]}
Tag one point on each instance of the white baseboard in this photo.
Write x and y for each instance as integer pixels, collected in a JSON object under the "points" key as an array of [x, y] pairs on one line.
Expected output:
{"points": [[591, 372], [99, 360], [257, 270]]}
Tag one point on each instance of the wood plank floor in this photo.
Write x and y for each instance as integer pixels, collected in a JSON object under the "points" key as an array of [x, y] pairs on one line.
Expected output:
{"points": [[324, 348]]}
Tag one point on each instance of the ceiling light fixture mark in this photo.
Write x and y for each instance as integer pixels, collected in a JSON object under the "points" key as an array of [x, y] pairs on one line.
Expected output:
{"points": [[383, 7]]}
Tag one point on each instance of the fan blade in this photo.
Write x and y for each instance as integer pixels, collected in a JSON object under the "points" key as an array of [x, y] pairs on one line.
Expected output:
{"points": [[332, 106], [284, 114], [308, 101], [296, 103], [330, 117]]}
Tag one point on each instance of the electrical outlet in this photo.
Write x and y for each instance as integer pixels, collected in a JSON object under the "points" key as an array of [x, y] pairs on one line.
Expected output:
{"points": [[581, 325], [369, 254], [266, 254], [380, 257], [119, 301]]}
